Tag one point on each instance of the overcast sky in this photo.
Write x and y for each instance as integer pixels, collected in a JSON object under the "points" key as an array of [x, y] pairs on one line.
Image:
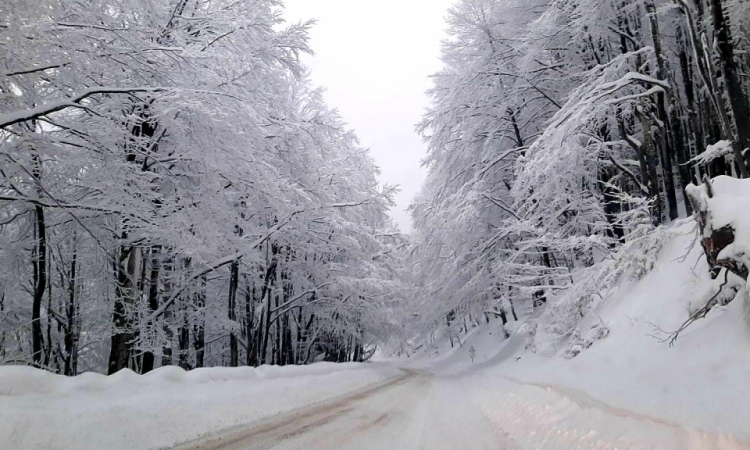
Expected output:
{"points": [[374, 58]]}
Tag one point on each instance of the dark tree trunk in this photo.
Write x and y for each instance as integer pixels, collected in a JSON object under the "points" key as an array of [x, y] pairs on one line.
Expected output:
{"points": [[250, 353], [357, 357], [737, 100], [709, 76], [128, 268], [666, 141], [232, 307], [72, 330], [40, 284], [694, 127], [183, 341], [266, 293], [40, 269], [147, 364], [168, 325], [48, 347], [612, 206], [288, 348], [513, 309], [2, 331], [199, 324]]}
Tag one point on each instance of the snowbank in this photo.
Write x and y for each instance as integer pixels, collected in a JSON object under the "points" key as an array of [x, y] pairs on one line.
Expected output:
{"points": [[723, 206], [700, 383], [40, 410], [697, 392]]}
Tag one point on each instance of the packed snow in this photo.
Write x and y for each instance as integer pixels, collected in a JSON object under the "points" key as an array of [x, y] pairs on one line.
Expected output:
{"points": [[40, 410]]}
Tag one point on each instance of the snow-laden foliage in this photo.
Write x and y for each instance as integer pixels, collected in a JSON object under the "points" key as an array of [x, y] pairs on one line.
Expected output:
{"points": [[173, 190], [560, 138]]}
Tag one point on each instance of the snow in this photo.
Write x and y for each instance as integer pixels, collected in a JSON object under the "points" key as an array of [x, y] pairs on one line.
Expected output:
{"points": [[728, 205], [630, 389], [730, 201], [14, 117], [40, 410], [712, 152]]}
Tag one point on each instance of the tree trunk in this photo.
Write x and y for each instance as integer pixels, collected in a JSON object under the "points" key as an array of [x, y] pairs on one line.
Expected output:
{"points": [[128, 269], [707, 74], [72, 330], [40, 269], [168, 325], [266, 293], [147, 364], [232, 306], [199, 324], [183, 341], [2, 330], [667, 131], [40, 284], [250, 352], [694, 128], [737, 100]]}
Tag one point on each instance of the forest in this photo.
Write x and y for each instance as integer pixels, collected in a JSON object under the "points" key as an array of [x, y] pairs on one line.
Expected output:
{"points": [[174, 190], [563, 139]]}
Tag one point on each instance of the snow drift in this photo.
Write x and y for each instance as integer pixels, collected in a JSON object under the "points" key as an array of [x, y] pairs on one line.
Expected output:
{"points": [[40, 410]]}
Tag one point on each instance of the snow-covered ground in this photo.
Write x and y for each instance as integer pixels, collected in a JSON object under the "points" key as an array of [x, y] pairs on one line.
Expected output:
{"points": [[630, 389], [39, 410]]}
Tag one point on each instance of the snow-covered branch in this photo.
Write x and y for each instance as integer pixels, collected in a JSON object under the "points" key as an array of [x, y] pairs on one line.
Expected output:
{"points": [[15, 117]]}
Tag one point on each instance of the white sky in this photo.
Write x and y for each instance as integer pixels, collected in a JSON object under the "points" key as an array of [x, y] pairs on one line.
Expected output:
{"points": [[374, 58]]}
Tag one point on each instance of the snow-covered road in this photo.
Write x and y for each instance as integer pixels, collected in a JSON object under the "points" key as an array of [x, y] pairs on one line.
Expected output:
{"points": [[413, 411], [420, 410], [422, 404]]}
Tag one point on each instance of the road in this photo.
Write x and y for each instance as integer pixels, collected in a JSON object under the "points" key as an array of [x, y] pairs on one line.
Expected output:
{"points": [[413, 411], [420, 410]]}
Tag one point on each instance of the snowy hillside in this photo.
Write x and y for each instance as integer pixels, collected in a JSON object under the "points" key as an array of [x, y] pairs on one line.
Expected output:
{"points": [[699, 384]]}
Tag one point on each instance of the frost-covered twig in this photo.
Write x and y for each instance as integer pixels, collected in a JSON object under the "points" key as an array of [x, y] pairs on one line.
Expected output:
{"points": [[699, 314]]}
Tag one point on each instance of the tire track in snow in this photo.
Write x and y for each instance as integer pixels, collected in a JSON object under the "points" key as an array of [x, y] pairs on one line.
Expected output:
{"points": [[265, 433], [412, 411], [544, 416]]}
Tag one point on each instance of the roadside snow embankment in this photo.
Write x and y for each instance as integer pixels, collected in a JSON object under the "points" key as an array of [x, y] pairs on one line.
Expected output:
{"points": [[701, 383], [40, 410], [629, 389]]}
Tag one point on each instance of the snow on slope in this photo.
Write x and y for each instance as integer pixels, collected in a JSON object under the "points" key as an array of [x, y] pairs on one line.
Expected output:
{"points": [[440, 357], [702, 384], [40, 410]]}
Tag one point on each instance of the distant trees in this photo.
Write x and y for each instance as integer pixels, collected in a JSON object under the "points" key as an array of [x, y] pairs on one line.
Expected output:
{"points": [[561, 133], [174, 192]]}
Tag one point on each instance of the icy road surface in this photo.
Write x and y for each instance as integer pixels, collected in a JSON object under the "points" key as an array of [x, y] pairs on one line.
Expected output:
{"points": [[419, 410]]}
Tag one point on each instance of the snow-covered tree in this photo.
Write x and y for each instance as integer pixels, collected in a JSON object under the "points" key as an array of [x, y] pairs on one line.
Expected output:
{"points": [[173, 190], [561, 133]]}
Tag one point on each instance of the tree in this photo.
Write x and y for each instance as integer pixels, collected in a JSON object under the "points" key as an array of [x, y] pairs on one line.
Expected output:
{"points": [[187, 195]]}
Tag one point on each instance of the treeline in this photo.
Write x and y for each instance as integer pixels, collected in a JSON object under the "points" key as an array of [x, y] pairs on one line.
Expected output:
{"points": [[561, 133], [173, 191]]}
